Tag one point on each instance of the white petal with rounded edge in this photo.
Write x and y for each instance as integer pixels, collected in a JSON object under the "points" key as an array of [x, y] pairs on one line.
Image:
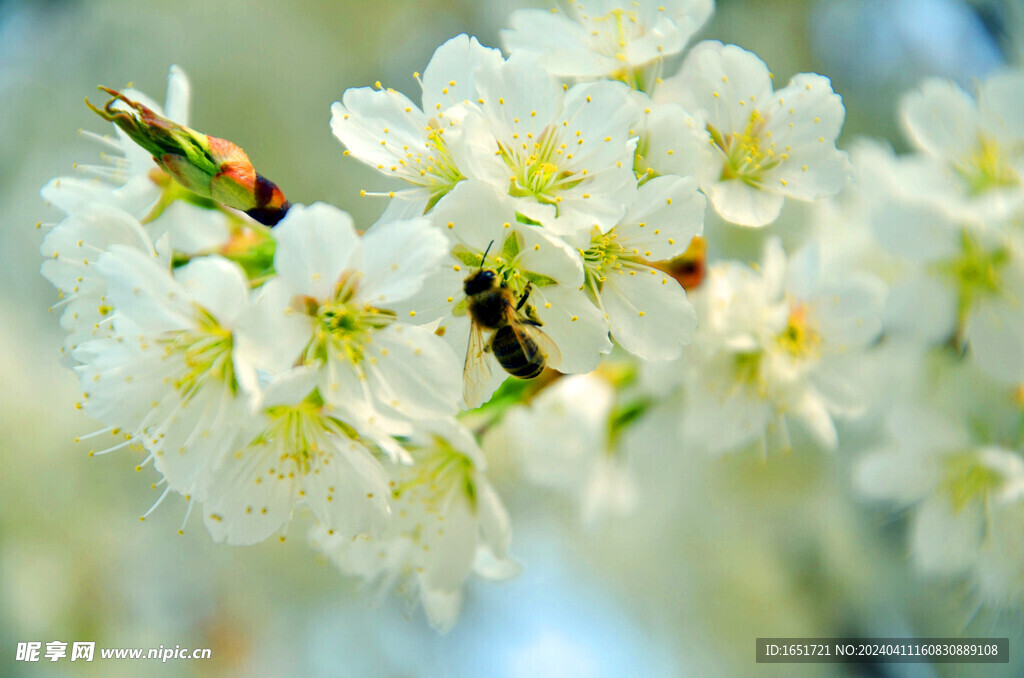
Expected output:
{"points": [[314, 246], [648, 313]]}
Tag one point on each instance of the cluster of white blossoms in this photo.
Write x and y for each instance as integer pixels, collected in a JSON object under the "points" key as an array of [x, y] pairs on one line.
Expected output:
{"points": [[943, 224], [544, 217]]}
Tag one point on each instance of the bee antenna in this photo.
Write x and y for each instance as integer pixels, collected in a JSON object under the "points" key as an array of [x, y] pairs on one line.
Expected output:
{"points": [[484, 257]]}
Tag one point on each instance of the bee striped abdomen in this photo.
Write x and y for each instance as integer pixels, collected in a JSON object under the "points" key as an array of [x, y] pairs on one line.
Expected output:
{"points": [[518, 354]]}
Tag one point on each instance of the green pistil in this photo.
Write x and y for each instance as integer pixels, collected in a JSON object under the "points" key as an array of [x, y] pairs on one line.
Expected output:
{"points": [[443, 172], [604, 255], [975, 273], [748, 367], [749, 154], [342, 326], [799, 339], [297, 431], [207, 354], [535, 168], [966, 479], [986, 169], [437, 470]]}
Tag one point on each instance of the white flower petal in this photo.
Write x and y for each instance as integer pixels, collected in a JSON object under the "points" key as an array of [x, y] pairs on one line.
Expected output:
{"points": [[648, 312], [576, 326], [396, 258], [450, 77], [314, 246]]}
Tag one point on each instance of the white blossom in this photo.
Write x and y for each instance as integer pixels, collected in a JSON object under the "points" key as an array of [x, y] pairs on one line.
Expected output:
{"points": [[970, 158], [331, 306], [447, 523], [387, 131], [607, 38], [172, 379], [565, 157], [647, 310], [951, 483], [70, 253], [295, 449], [776, 345], [767, 145]]}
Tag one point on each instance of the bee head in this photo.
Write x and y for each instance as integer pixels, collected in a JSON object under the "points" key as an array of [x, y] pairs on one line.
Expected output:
{"points": [[481, 281]]}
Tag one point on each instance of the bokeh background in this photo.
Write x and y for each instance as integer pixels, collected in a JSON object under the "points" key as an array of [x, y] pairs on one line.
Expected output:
{"points": [[718, 552]]}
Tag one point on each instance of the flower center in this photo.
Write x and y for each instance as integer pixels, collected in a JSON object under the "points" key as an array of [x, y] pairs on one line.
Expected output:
{"points": [[610, 33], [605, 254], [534, 162], [748, 154], [343, 326], [966, 478], [300, 433], [799, 339], [986, 169], [439, 470], [437, 170], [206, 351], [975, 273]]}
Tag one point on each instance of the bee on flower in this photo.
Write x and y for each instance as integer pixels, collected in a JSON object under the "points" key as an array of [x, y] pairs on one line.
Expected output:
{"points": [[528, 261]]}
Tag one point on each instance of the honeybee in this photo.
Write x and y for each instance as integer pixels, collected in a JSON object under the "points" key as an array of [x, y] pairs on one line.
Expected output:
{"points": [[516, 340]]}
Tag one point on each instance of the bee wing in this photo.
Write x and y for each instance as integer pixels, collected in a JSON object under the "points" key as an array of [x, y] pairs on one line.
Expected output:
{"points": [[541, 343], [476, 375]]}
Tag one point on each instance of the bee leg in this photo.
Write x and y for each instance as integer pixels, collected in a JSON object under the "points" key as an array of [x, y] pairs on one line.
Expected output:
{"points": [[530, 315], [525, 295]]}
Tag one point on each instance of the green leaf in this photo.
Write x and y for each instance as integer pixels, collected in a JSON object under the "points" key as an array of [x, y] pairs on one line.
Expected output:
{"points": [[538, 279], [468, 257], [512, 246]]}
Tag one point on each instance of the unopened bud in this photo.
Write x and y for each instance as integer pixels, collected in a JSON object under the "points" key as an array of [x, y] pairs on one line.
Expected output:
{"points": [[211, 167]]}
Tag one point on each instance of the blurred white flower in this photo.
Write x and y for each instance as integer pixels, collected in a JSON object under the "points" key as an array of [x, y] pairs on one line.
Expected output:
{"points": [[296, 448], [386, 130], [971, 151], [998, 574], [478, 220], [774, 345], [131, 181], [768, 145], [951, 482], [564, 439], [607, 38], [647, 310], [447, 523], [330, 306], [959, 281]]}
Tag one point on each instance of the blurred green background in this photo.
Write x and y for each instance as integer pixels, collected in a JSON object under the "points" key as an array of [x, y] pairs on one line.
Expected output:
{"points": [[720, 552]]}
